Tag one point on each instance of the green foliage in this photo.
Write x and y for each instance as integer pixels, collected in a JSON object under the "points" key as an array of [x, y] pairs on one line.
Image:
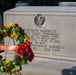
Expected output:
{"points": [[14, 66], [22, 52]]}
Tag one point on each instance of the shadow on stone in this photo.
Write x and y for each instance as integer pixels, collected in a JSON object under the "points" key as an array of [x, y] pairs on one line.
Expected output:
{"points": [[74, 68], [2, 51], [71, 71]]}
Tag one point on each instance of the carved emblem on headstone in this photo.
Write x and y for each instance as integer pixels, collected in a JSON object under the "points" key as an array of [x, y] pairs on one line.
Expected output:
{"points": [[39, 20]]}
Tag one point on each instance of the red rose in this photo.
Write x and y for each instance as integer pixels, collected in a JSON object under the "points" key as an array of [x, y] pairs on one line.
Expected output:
{"points": [[6, 67], [7, 34], [21, 50], [16, 25], [1, 27], [25, 49], [19, 28], [1, 35]]}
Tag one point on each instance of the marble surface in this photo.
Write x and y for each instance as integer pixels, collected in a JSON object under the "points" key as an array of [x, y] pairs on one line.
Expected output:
{"points": [[48, 67], [45, 66]]}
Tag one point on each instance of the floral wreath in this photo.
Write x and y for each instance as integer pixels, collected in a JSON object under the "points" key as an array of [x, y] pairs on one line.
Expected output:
{"points": [[23, 52]]}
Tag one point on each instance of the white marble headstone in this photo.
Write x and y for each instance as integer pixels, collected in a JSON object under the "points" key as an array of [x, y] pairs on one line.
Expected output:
{"points": [[52, 30]]}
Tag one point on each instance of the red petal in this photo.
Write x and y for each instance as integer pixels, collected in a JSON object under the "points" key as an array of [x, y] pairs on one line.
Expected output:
{"points": [[16, 24]]}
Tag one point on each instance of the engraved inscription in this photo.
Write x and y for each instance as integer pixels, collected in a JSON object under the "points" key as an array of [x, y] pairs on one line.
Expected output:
{"points": [[43, 39]]}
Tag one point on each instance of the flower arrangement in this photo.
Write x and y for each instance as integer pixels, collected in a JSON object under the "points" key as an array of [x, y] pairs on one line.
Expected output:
{"points": [[23, 52]]}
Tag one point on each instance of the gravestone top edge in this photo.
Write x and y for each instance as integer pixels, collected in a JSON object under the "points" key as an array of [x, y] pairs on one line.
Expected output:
{"points": [[42, 9]]}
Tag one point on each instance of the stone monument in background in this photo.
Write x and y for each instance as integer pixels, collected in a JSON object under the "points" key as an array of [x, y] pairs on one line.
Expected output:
{"points": [[21, 4], [70, 4]]}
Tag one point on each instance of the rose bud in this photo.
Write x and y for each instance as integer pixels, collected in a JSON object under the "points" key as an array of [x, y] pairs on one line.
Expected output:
{"points": [[6, 67], [16, 25], [19, 28], [1, 35], [7, 34], [1, 27]]}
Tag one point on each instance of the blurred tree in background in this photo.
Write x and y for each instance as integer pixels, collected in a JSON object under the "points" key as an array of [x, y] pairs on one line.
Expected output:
{"points": [[44, 2], [8, 4]]}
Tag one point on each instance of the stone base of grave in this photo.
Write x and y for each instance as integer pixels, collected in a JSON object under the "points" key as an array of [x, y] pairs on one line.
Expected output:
{"points": [[45, 66]]}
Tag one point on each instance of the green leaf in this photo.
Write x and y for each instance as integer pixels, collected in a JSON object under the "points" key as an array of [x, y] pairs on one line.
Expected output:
{"points": [[15, 55], [2, 69], [9, 72], [4, 31], [10, 64], [18, 67], [21, 63], [14, 62]]}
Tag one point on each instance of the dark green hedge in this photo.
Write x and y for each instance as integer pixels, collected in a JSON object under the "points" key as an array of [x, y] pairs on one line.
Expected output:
{"points": [[44, 2], [8, 4]]}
